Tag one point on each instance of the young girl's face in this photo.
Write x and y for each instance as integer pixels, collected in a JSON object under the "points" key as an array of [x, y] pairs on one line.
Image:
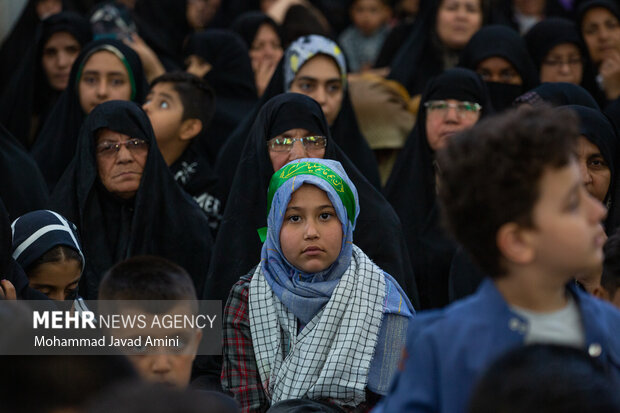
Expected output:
{"points": [[57, 280], [104, 77], [311, 233]]}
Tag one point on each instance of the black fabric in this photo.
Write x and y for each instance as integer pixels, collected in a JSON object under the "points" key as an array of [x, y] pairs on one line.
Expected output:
{"points": [[29, 93], [22, 187], [195, 175], [393, 42], [345, 132], [583, 8], [599, 130], [558, 94], [465, 275], [504, 42], [411, 189], [55, 146], [9, 269], [232, 79], [161, 220], [503, 12], [421, 56], [163, 26], [237, 249], [247, 26], [17, 43], [550, 33]]}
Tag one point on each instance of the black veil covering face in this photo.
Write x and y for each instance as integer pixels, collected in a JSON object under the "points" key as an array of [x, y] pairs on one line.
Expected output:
{"points": [[29, 92], [160, 220], [237, 249], [22, 187], [504, 42], [232, 79], [55, 146], [345, 132], [412, 192]]}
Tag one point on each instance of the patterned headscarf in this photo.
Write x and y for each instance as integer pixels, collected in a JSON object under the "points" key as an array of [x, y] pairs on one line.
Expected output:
{"points": [[302, 293], [304, 49]]}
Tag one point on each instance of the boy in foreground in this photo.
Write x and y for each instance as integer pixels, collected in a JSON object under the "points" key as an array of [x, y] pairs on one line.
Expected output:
{"points": [[512, 195]]}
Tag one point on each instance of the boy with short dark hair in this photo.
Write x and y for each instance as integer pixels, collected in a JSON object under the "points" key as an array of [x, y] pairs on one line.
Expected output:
{"points": [[180, 106], [147, 278], [610, 280], [512, 195]]}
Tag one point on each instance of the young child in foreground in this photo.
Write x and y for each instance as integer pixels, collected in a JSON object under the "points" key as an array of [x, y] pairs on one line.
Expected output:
{"points": [[316, 324], [530, 223]]}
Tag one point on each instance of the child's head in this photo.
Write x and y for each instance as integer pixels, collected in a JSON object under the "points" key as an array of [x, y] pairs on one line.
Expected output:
{"points": [[46, 246], [313, 207], [610, 281], [513, 196], [180, 106], [148, 278], [369, 15]]}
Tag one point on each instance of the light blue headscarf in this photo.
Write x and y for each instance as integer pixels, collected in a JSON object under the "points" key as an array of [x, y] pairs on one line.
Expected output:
{"points": [[304, 294], [304, 49]]}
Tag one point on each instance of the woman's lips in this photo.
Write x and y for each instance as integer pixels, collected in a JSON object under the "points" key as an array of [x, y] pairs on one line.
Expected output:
{"points": [[312, 251]]}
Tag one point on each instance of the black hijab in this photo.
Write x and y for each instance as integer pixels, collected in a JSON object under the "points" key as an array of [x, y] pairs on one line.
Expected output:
{"points": [[345, 132], [247, 26], [161, 219], [237, 248], [55, 146], [412, 192], [22, 187], [584, 7], [599, 130], [163, 26], [558, 94], [421, 57], [504, 42], [232, 79], [29, 93]]}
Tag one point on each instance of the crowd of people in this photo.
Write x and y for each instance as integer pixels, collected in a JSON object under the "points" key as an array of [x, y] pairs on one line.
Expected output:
{"points": [[401, 205]]}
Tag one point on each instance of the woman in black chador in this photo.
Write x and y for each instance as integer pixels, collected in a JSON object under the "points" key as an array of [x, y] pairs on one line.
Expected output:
{"points": [[120, 193]]}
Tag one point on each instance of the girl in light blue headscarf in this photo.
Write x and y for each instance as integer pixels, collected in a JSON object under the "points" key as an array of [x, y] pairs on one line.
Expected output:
{"points": [[316, 319]]}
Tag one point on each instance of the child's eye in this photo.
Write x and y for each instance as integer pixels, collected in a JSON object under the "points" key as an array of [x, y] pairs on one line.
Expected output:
{"points": [[89, 80], [305, 86], [293, 218], [325, 216], [333, 88], [118, 82], [164, 104]]}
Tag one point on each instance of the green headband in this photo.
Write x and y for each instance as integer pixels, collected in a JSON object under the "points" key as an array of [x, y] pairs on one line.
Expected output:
{"points": [[115, 52], [318, 170]]}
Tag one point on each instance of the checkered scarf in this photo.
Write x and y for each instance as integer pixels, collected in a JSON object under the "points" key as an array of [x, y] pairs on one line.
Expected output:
{"points": [[330, 358]]}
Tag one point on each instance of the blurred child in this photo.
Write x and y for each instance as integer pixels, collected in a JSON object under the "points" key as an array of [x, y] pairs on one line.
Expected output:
{"points": [[180, 106], [530, 223], [362, 41], [146, 278]]}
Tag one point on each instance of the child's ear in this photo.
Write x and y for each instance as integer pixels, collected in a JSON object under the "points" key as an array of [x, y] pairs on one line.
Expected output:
{"points": [[515, 244], [601, 293], [190, 128]]}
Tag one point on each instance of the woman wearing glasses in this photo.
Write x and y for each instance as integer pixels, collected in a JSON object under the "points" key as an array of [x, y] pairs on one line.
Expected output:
{"points": [[292, 126], [123, 198], [452, 102]]}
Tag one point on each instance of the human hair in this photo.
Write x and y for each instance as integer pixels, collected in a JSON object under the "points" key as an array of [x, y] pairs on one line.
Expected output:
{"points": [[301, 21], [490, 175], [146, 278], [610, 280], [197, 97], [545, 379], [59, 253]]}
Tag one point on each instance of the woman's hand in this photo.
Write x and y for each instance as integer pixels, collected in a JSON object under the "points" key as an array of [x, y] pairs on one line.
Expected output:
{"points": [[7, 290], [610, 72], [150, 62]]}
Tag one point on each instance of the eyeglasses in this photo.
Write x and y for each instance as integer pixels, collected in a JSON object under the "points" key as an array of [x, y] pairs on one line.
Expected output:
{"points": [[111, 148], [559, 63], [463, 109], [284, 144]]}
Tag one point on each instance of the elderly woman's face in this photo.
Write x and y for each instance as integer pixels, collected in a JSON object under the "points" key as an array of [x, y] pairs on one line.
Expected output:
{"points": [[120, 162], [444, 118]]}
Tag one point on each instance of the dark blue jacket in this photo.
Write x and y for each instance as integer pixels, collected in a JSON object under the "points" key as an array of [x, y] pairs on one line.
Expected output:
{"points": [[448, 350]]}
